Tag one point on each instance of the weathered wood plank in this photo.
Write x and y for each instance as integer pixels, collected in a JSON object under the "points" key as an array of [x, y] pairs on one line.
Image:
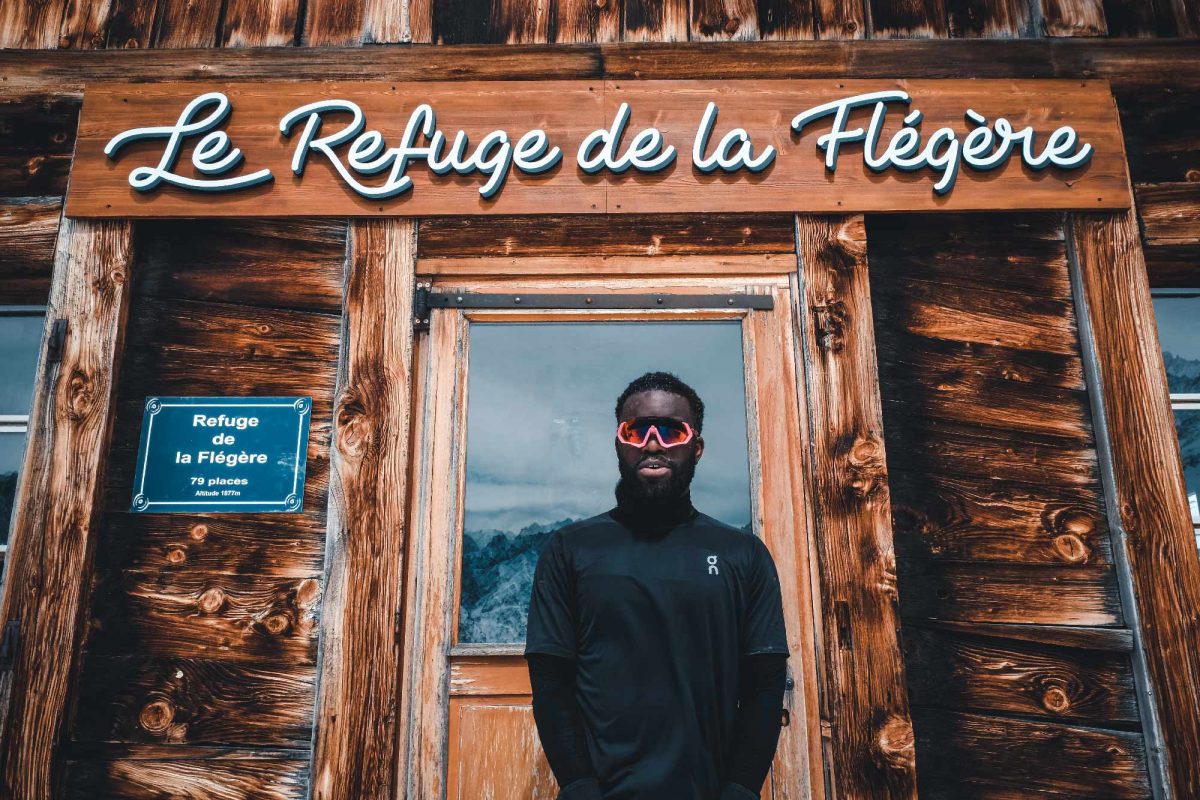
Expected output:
{"points": [[28, 228], [1073, 18], [724, 20], [193, 614], [575, 266], [872, 733], [1172, 266], [635, 235], [85, 24], [1107, 640], [274, 264], [587, 21], [331, 23], [131, 24], [271, 545], [1020, 593], [355, 737], [254, 23], [976, 19], [31, 24], [1160, 150], [958, 517], [1158, 539], [519, 22], [908, 19], [52, 537], [1136, 18], [902, 352], [186, 23], [38, 138], [1024, 757], [955, 670], [393, 21], [162, 773], [655, 21], [1170, 212], [185, 701], [461, 21], [790, 20]]}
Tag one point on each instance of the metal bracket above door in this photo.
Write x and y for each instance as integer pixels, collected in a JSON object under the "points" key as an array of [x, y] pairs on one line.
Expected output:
{"points": [[425, 300]]}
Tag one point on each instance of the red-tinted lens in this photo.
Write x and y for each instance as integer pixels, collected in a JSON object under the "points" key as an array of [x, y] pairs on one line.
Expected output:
{"points": [[672, 432], [629, 434]]}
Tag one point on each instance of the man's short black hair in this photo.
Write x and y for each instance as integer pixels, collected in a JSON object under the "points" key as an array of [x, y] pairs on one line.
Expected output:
{"points": [[665, 382]]}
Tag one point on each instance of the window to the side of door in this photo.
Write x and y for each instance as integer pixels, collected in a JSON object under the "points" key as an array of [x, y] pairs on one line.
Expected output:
{"points": [[20, 340]]}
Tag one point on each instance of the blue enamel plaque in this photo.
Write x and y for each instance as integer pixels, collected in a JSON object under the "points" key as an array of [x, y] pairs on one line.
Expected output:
{"points": [[222, 454]]}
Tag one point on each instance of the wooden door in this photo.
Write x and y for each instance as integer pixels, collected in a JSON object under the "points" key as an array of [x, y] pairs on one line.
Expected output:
{"points": [[483, 503]]}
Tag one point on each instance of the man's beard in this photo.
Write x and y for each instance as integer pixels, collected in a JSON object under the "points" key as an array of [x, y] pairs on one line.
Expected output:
{"points": [[662, 492]]}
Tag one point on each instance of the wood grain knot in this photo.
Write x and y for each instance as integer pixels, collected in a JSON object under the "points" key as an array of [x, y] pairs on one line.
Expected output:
{"points": [[896, 745], [176, 555], [198, 532], [1056, 700], [277, 624], [308, 591], [1071, 549], [353, 425], [211, 600], [829, 323], [157, 716], [1072, 527], [866, 467], [80, 391], [34, 165]]}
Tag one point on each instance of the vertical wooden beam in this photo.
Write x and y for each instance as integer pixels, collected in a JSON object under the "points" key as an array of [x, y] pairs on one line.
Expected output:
{"points": [[865, 696], [1148, 498], [59, 494], [355, 737]]}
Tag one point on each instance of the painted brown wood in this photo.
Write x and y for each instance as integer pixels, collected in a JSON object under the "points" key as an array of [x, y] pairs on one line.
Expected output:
{"points": [[1158, 539], [1169, 212], [655, 21], [52, 535], [499, 751], [974, 19], [587, 21], [36, 145], [252, 23], [956, 670], [356, 734], [1072, 18], [634, 235], [28, 228], [987, 756], [568, 111], [787, 20], [31, 24], [724, 20], [185, 700], [186, 23], [155, 772], [85, 24], [908, 19], [871, 730]]}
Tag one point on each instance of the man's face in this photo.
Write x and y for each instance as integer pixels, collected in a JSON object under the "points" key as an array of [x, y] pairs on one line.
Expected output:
{"points": [[656, 472]]}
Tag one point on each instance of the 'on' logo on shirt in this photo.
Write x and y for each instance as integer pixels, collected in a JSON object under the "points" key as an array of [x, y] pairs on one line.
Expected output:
{"points": [[712, 566]]}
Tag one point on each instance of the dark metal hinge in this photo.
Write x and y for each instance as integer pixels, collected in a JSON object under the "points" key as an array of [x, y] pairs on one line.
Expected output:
{"points": [[58, 338], [9, 645]]}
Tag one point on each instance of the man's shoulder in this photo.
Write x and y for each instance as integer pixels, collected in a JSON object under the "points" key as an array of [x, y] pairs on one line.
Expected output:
{"points": [[741, 540], [582, 527]]}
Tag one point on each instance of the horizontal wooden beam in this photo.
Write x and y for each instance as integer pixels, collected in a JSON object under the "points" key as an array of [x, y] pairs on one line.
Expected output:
{"points": [[1128, 63]]}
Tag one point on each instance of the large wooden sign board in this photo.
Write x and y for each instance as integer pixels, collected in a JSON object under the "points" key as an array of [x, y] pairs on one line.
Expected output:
{"points": [[585, 147]]}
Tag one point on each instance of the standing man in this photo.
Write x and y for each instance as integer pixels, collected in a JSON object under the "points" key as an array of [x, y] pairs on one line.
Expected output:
{"points": [[656, 643]]}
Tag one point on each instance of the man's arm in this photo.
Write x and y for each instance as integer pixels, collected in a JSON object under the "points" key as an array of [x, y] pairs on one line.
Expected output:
{"points": [[759, 718], [560, 726]]}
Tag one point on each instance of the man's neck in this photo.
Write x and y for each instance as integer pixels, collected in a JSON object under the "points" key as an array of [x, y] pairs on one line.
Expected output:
{"points": [[652, 516]]}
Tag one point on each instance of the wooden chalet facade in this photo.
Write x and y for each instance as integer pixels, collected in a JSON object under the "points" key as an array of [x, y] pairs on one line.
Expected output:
{"points": [[962, 450]]}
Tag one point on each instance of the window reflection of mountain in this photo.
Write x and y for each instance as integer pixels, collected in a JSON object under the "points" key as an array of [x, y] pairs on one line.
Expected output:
{"points": [[497, 577], [1183, 374]]}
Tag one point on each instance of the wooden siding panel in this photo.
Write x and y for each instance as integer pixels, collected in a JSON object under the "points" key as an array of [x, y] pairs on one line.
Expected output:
{"points": [[1136, 18], [28, 229], [1073, 18], [587, 21], [85, 24], [256, 23], [840, 19], [357, 710], [724, 20], [37, 140], [169, 773], [53, 536], [31, 24], [1160, 150], [1159, 541], [1170, 213], [983, 19], [187, 23], [461, 21], [788, 20], [131, 24], [872, 734], [908, 19], [656, 21], [333, 23]]}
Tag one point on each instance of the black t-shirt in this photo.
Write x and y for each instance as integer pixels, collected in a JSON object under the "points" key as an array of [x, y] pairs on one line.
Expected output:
{"points": [[656, 625]]}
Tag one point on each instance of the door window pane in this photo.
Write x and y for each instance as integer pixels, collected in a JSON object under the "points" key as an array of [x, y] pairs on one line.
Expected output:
{"points": [[1178, 319], [540, 443], [1187, 426], [20, 340]]}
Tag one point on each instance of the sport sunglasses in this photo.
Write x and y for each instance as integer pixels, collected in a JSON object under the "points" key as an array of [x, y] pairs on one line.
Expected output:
{"points": [[669, 432]]}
